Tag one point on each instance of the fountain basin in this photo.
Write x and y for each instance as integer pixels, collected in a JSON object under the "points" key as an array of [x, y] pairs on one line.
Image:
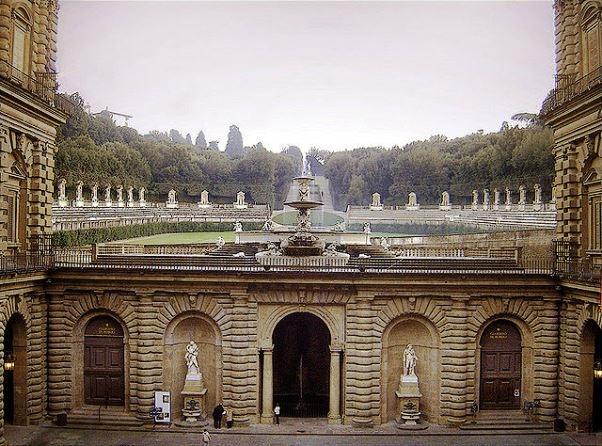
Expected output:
{"points": [[303, 204]]}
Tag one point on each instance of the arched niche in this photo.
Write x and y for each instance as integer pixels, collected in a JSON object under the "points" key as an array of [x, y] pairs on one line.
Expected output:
{"points": [[590, 401], [200, 328], [423, 335]]}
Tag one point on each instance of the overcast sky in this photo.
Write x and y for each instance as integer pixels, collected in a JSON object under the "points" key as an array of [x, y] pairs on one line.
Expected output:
{"points": [[332, 75]]}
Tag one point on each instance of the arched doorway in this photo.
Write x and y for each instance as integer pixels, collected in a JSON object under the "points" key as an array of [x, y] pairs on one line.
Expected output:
{"points": [[591, 386], [103, 362], [501, 366], [302, 366], [15, 371]]}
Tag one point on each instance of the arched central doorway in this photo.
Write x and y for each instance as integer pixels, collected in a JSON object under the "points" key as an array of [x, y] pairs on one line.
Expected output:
{"points": [[501, 366], [15, 371], [302, 366], [103, 362]]}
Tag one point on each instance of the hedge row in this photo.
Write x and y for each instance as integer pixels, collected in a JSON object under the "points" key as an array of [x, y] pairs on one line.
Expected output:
{"points": [[66, 239], [420, 228]]}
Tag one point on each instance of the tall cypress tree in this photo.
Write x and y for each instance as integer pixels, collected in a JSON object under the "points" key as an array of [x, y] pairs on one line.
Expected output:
{"points": [[234, 146], [200, 142]]}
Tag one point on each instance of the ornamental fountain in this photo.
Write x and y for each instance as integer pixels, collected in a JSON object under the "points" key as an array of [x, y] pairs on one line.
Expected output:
{"points": [[303, 247]]}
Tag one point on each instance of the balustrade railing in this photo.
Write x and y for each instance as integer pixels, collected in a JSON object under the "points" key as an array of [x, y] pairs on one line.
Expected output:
{"points": [[43, 86], [569, 87]]}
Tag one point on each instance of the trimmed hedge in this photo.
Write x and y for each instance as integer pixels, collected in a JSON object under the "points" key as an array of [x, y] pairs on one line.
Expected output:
{"points": [[420, 228], [66, 239]]}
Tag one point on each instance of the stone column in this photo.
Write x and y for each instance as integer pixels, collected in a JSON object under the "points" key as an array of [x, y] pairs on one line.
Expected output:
{"points": [[267, 412], [334, 412]]}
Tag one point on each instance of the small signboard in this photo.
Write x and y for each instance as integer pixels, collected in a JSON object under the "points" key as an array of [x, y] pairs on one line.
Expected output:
{"points": [[162, 407]]}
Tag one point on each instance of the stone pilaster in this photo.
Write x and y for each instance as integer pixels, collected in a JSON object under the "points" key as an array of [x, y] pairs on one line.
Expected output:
{"points": [[363, 350], [457, 365], [239, 352], [334, 412]]}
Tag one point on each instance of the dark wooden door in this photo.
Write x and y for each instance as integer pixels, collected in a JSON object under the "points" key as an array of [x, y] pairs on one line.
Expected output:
{"points": [[501, 366], [103, 363]]}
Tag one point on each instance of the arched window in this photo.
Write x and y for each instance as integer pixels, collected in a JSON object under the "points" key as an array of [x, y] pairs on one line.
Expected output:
{"points": [[591, 40], [21, 40]]}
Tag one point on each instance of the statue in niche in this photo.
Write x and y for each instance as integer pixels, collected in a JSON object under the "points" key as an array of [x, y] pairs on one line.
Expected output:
{"points": [[409, 361], [192, 353]]}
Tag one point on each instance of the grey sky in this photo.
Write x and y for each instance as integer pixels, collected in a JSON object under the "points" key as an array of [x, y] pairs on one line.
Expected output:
{"points": [[333, 75]]}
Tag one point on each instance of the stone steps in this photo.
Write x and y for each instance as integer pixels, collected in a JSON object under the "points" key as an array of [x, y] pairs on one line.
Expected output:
{"points": [[506, 420], [91, 418]]}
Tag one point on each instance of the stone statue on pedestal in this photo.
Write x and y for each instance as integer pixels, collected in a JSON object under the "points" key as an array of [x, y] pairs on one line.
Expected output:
{"points": [[240, 201], [194, 387], [171, 202], [94, 195], [62, 194], [376, 205], [475, 200], [204, 203], [408, 392], [79, 194], [108, 201]]}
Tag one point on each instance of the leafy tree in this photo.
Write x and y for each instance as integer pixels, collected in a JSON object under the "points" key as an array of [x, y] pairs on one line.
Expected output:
{"points": [[200, 141], [176, 137], [234, 146], [188, 139]]}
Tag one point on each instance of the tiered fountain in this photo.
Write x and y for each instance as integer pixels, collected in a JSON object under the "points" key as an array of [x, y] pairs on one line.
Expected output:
{"points": [[302, 248]]}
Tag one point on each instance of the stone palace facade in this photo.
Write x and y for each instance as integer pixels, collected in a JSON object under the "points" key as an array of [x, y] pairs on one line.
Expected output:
{"points": [[97, 339]]}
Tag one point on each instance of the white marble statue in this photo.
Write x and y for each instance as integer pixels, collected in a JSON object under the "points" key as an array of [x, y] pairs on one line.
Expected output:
{"points": [[94, 194], [62, 198], [141, 197], [220, 242], [496, 199], [204, 197], [409, 361], [79, 194], [475, 199], [522, 195], [412, 199], [367, 229], [237, 226], [119, 196], [384, 243], [191, 356], [537, 194], [130, 193], [108, 201], [240, 198], [376, 200], [171, 196], [445, 198], [303, 191], [486, 199], [62, 184]]}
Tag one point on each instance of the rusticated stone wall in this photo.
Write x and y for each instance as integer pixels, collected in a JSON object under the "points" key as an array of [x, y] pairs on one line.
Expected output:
{"points": [[579, 308], [245, 310]]}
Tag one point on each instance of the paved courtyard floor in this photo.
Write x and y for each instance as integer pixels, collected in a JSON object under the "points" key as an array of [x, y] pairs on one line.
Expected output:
{"points": [[54, 436]]}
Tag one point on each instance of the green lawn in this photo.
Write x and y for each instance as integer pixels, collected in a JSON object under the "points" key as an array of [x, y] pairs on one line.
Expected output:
{"points": [[181, 238]]}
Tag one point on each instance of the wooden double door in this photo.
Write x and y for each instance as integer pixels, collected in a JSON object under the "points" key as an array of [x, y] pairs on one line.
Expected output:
{"points": [[501, 367], [103, 363]]}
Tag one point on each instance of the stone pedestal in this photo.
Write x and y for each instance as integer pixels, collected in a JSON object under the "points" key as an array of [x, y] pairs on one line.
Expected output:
{"points": [[408, 396], [193, 394], [537, 206], [120, 203], [204, 205], [63, 203], [240, 206], [445, 207], [169, 205], [79, 203], [413, 207], [142, 203], [376, 208]]}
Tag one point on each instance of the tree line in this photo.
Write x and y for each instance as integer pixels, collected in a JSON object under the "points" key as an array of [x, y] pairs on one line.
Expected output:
{"points": [[93, 149], [513, 156]]}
